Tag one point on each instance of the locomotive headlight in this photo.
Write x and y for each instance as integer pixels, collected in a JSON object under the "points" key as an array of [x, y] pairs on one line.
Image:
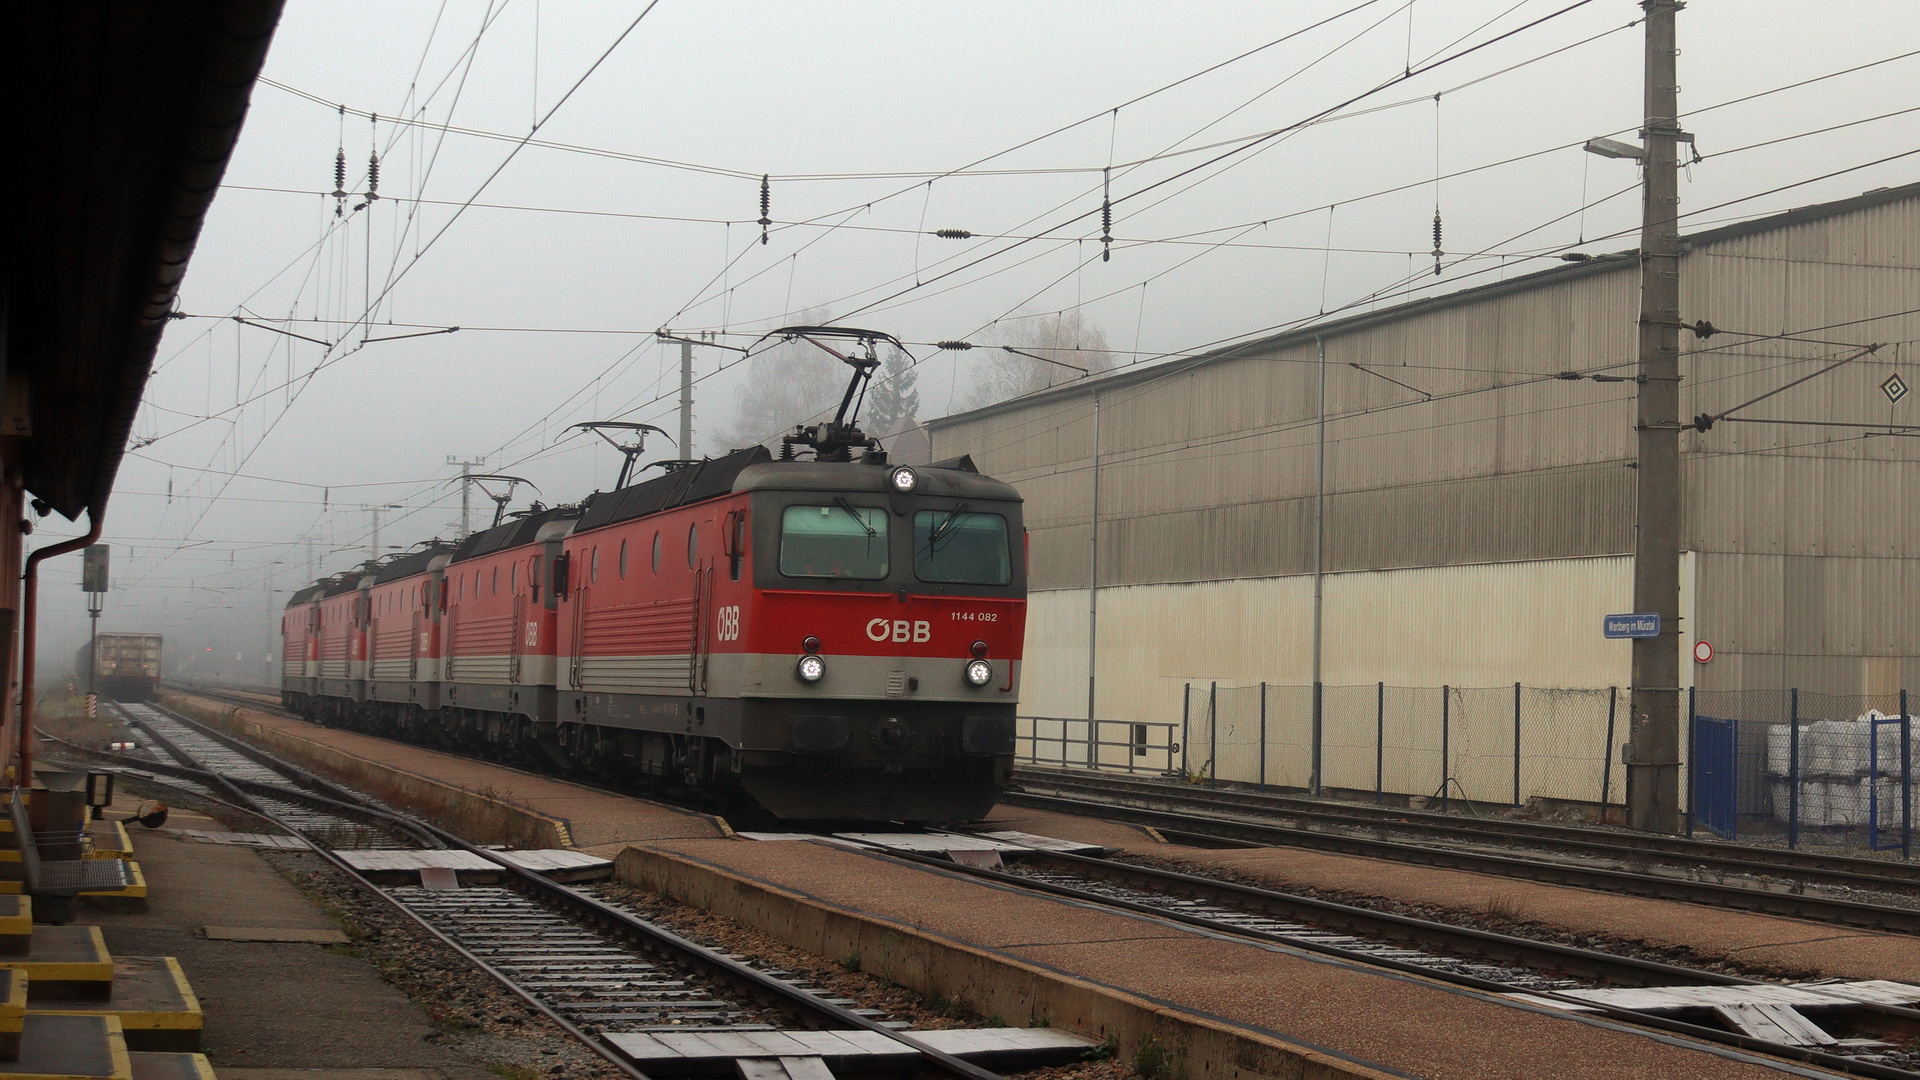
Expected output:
{"points": [[979, 672], [903, 479], [810, 669]]}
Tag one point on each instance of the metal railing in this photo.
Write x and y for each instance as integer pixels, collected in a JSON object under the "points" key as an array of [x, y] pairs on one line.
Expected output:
{"points": [[1119, 745], [1788, 766]]}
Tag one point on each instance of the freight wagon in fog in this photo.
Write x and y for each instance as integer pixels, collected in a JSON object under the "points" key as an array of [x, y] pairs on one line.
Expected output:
{"points": [[123, 666]]}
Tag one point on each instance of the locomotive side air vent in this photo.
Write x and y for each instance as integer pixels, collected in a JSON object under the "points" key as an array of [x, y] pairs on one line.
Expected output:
{"points": [[896, 684]]}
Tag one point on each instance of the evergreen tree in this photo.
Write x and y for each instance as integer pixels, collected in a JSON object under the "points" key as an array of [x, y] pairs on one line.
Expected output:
{"points": [[893, 397]]}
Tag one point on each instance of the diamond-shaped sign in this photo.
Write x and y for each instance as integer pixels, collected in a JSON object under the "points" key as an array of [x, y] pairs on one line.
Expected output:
{"points": [[1895, 388]]}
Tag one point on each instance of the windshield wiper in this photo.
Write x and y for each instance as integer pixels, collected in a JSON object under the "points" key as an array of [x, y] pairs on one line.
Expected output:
{"points": [[943, 530], [841, 502]]}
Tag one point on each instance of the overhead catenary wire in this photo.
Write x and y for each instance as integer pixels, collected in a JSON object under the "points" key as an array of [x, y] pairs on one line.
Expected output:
{"points": [[1135, 350]]}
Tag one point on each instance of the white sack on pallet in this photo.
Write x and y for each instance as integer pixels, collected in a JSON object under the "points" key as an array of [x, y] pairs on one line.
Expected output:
{"points": [[1835, 748], [1839, 802]]}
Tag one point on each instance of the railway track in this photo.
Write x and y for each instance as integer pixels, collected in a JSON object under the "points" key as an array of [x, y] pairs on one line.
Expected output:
{"points": [[1474, 959], [1765, 884], [1465, 957], [1842, 870], [592, 966]]}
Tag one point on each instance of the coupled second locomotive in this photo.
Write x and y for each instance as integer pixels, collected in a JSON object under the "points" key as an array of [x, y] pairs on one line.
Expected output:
{"points": [[829, 635]]}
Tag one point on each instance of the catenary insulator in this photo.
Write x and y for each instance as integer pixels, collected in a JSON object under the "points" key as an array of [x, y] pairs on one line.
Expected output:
{"points": [[766, 207]]}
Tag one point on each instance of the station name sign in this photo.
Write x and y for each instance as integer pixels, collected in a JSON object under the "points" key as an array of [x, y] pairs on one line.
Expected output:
{"points": [[1635, 625]]}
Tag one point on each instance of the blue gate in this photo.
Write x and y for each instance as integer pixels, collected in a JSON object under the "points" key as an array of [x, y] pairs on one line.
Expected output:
{"points": [[1888, 825], [1712, 789]]}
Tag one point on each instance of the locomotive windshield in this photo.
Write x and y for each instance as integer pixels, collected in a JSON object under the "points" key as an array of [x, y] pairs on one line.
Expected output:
{"points": [[836, 541], [960, 547]]}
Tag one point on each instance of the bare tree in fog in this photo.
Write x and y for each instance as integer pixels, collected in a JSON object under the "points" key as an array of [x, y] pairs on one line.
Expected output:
{"points": [[1067, 337], [793, 382]]}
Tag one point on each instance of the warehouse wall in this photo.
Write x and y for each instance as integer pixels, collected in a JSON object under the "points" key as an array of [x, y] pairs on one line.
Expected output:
{"points": [[1487, 625], [1449, 443], [1810, 536]]}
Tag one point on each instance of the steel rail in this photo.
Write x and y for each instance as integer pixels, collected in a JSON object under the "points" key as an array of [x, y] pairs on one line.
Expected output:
{"points": [[1627, 970], [1206, 828], [809, 1008], [1680, 1028], [1849, 871]]}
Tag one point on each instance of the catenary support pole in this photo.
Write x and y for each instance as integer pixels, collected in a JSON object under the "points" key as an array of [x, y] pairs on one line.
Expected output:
{"points": [[1093, 568], [686, 401], [466, 491], [1319, 558], [1653, 773], [1319, 727], [1446, 765]]}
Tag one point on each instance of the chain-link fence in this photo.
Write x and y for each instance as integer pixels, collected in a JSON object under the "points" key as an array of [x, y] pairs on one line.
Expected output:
{"points": [[1795, 767]]}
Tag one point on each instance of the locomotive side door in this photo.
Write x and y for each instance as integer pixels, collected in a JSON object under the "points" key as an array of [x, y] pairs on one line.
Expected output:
{"points": [[702, 626]]}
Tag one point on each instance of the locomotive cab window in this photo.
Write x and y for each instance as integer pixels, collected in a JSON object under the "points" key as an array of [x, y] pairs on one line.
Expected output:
{"points": [[837, 541], [960, 547]]}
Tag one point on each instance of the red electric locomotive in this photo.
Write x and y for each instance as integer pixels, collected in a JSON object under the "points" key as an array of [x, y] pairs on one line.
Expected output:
{"points": [[833, 638]]}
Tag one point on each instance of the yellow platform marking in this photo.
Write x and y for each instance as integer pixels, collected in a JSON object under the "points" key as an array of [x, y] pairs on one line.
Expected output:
{"points": [[202, 1068], [187, 1017], [97, 968], [16, 915], [121, 1063], [13, 1000]]}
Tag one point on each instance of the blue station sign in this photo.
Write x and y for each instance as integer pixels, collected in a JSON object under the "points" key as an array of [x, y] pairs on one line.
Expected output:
{"points": [[1638, 624]]}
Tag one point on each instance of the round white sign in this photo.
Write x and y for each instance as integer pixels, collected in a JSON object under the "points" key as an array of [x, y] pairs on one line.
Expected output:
{"points": [[1702, 651]]}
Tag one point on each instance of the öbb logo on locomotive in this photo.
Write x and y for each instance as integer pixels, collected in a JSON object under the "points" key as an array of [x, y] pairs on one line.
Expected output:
{"points": [[757, 672], [900, 630]]}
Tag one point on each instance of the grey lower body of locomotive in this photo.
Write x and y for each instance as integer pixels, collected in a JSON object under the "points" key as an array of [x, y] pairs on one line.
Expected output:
{"points": [[811, 759]]}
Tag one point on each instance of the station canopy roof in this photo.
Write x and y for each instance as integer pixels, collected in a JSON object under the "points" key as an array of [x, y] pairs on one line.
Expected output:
{"points": [[123, 117]]}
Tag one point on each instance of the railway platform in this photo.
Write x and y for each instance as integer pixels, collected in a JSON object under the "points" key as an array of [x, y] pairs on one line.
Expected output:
{"points": [[276, 990], [71, 1005]]}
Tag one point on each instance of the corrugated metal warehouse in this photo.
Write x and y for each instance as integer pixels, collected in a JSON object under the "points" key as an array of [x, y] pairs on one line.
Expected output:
{"points": [[1478, 509]]}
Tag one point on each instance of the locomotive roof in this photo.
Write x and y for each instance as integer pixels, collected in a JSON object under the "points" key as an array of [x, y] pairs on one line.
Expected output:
{"points": [[413, 562], [949, 480], [307, 595], [320, 590], [703, 480], [507, 534]]}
